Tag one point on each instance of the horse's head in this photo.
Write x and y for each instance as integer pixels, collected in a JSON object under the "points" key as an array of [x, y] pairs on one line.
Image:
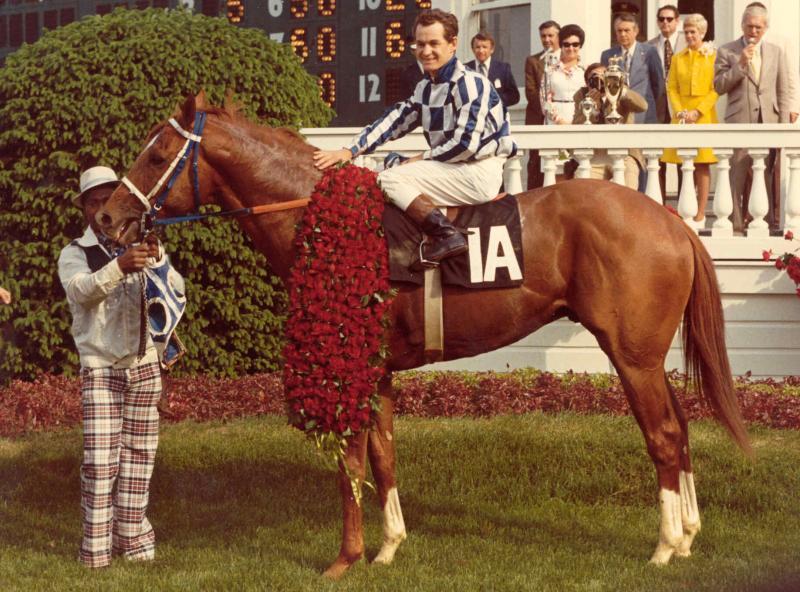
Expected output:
{"points": [[152, 173]]}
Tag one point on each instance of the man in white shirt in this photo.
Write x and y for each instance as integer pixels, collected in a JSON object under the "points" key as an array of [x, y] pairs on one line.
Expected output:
{"points": [[120, 381]]}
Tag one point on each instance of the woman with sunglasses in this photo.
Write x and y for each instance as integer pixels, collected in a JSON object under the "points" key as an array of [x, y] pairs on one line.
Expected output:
{"points": [[563, 78], [690, 89]]}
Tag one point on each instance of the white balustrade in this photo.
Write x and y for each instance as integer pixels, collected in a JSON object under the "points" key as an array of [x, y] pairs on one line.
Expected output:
{"points": [[653, 189], [687, 198], [581, 141], [759, 201], [723, 201]]}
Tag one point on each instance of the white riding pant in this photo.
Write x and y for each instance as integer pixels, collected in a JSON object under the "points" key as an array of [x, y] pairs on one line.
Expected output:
{"points": [[447, 184]]}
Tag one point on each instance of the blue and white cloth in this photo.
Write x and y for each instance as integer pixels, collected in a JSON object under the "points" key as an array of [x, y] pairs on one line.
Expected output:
{"points": [[461, 115]]}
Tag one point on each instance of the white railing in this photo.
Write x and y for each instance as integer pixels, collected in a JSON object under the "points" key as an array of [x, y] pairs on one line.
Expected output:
{"points": [[580, 140]]}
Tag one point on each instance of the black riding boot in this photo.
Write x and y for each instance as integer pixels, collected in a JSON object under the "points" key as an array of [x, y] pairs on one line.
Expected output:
{"points": [[444, 239]]}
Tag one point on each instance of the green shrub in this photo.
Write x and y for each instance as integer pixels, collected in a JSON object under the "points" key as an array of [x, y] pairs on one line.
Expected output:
{"points": [[87, 94]]}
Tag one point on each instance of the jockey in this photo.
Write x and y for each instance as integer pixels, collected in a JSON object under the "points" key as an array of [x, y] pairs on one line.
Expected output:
{"points": [[466, 126]]}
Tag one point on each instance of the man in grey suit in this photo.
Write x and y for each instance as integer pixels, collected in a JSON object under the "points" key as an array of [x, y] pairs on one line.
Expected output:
{"points": [[534, 70], [641, 63], [754, 74], [669, 42]]}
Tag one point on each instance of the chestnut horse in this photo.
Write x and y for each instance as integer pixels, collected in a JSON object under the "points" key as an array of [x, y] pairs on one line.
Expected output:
{"points": [[596, 252]]}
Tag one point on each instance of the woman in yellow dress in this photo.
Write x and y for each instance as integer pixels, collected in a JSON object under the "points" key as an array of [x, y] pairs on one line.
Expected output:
{"points": [[690, 89]]}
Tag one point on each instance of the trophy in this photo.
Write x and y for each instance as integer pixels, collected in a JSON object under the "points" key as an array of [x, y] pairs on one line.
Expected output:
{"points": [[550, 60], [588, 109], [615, 85]]}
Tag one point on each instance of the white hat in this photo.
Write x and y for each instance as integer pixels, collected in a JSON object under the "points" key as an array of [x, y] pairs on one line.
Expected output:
{"points": [[94, 177]]}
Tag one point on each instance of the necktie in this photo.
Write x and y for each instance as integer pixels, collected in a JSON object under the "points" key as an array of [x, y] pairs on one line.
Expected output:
{"points": [[483, 70], [755, 65], [667, 56], [627, 61]]}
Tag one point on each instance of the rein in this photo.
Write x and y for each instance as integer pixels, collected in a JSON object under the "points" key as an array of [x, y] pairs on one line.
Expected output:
{"points": [[167, 180]]}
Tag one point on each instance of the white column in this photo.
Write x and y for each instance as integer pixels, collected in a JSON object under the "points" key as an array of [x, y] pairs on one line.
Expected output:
{"points": [[584, 158], [512, 175], [792, 207], [759, 203], [618, 165], [723, 201], [687, 200], [653, 189], [549, 166]]}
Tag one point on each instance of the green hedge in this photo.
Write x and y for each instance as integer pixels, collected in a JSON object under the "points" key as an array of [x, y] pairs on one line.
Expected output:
{"points": [[87, 94]]}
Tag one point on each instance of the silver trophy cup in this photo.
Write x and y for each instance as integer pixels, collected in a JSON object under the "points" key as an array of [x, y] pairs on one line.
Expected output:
{"points": [[614, 87]]}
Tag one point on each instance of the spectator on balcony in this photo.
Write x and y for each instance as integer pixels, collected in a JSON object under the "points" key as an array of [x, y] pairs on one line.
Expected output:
{"points": [[754, 74], [692, 98], [789, 51], [499, 73], [534, 69], [564, 78], [641, 64], [668, 42], [630, 103]]}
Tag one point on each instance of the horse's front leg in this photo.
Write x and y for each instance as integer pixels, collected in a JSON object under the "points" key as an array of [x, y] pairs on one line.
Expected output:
{"points": [[381, 452], [352, 548]]}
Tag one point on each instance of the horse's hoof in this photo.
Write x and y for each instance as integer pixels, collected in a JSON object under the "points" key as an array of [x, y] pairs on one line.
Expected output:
{"points": [[662, 554], [338, 568], [386, 555]]}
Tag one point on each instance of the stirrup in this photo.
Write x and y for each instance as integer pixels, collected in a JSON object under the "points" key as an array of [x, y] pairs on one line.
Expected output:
{"points": [[421, 264]]}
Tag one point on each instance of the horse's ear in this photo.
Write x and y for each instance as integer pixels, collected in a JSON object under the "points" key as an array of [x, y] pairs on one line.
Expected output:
{"points": [[184, 113], [230, 105], [200, 100]]}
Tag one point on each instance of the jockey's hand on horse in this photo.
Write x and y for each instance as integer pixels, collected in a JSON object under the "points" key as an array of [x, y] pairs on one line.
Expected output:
{"points": [[325, 158], [135, 258]]}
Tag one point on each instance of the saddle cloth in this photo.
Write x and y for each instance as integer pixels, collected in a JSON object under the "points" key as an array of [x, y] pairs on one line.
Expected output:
{"points": [[494, 258]]}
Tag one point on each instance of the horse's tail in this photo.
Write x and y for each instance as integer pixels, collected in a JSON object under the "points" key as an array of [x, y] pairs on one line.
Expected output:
{"points": [[706, 357]]}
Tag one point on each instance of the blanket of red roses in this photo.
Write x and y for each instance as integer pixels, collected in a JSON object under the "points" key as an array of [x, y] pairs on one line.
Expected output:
{"points": [[54, 402], [338, 295]]}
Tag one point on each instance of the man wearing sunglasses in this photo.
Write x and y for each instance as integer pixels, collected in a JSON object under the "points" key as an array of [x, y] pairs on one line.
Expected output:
{"points": [[668, 43]]}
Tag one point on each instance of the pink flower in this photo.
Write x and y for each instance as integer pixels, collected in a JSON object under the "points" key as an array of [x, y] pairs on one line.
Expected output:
{"points": [[766, 255], [789, 235]]}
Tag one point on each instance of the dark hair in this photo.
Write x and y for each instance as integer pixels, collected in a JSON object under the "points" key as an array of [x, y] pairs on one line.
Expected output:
{"points": [[569, 31], [427, 18], [589, 69], [626, 17], [671, 7], [482, 36], [549, 25], [757, 5]]}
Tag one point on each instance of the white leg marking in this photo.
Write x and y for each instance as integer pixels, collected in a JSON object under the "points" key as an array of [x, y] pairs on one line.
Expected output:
{"points": [[690, 515], [670, 533], [394, 529]]}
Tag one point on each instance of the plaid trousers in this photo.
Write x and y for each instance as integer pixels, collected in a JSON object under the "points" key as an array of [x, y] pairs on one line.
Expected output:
{"points": [[120, 437]]}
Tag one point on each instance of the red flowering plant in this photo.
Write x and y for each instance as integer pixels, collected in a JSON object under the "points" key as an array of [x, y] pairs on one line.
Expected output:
{"points": [[338, 295], [788, 261]]}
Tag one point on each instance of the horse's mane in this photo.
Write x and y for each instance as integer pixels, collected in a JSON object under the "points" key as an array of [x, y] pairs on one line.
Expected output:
{"points": [[232, 112]]}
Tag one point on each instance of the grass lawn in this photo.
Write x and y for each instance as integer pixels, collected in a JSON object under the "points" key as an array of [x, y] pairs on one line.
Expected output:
{"points": [[533, 502]]}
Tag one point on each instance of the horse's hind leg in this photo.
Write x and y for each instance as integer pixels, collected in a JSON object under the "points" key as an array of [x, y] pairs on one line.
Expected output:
{"points": [[690, 514], [665, 436], [381, 452]]}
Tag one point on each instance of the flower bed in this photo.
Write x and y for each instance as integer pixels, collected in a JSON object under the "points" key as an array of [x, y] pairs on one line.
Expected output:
{"points": [[53, 402]]}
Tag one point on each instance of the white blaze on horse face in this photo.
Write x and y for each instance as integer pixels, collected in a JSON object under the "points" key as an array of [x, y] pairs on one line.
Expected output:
{"points": [[499, 240], [394, 529], [670, 534]]}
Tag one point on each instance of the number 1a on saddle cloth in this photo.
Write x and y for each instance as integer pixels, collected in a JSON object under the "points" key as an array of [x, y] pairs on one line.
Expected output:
{"points": [[494, 258]]}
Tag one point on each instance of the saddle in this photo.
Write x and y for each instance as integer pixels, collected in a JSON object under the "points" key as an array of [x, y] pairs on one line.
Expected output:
{"points": [[494, 236]]}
